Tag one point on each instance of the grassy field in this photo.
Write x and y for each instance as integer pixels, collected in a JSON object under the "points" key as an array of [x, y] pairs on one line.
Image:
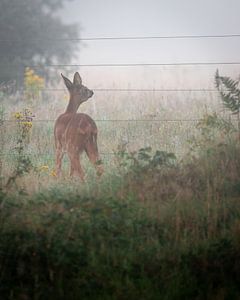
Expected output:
{"points": [[162, 223]]}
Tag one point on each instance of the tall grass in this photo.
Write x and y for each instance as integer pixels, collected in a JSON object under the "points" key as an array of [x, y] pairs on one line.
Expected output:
{"points": [[162, 223], [155, 227], [63, 245]]}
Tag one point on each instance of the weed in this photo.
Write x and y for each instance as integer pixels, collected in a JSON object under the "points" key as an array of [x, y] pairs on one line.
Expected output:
{"points": [[23, 161]]}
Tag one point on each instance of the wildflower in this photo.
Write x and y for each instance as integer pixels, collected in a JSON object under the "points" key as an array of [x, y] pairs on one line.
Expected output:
{"points": [[27, 111], [33, 83], [18, 115], [53, 173], [29, 72], [44, 168], [27, 124]]}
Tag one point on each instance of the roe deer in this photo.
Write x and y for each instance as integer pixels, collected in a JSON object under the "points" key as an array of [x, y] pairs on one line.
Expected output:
{"points": [[76, 132]]}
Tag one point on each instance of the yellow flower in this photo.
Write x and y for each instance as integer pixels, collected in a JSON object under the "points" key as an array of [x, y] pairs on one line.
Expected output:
{"points": [[29, 72], [53, 173], [44, 168], [18, 115], [27, 124], [33, 81]]}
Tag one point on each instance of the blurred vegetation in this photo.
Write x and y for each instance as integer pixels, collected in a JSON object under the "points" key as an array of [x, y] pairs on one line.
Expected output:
{"points": [[229, 91], [230, 94], [33, 84], [30, 34], [23, 163], [168, 229], [157, 226]]}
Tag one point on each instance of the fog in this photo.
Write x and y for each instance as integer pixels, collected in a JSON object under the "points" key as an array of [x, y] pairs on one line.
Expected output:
{"points": [[155, 18], [163, 92], [120, 179]]}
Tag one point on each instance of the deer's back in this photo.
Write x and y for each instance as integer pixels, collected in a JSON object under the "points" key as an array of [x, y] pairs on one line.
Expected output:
{"points": [[81, 124], [74, 129]]}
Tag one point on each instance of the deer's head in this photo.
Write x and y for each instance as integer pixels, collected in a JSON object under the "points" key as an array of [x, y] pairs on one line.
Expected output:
{"points": [[78, 92]]}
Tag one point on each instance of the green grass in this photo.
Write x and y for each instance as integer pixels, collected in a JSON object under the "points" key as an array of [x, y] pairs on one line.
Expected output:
{"points": [[62, 245], [171, 231], [153, 227]]}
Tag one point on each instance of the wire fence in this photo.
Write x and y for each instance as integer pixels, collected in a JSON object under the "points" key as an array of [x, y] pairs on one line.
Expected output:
{"points": [[122, 65], [201, 90], [221, 36], [132, 134], [118, 90], [118, 120], [208, 63], [130, 65], [126, 38]]}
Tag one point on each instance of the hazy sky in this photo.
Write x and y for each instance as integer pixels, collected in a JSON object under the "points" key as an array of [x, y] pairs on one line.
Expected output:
{"points": [[156, 18]]}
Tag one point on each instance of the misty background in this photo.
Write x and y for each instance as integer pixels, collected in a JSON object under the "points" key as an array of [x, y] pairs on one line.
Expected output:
{"points": [[156, 18], [38, 33], [47, 33]]}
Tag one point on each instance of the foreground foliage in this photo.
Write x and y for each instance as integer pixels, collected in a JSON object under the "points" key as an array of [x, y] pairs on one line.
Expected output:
{"points": [[170, 230], [58, 246], [159, 227]]}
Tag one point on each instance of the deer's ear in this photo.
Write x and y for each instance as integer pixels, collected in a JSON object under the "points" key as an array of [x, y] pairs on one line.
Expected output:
{"points": [[67, 82], [77, 80]]}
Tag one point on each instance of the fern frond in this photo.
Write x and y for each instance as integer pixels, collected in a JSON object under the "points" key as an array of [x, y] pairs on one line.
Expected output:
{"points": [[229, 92]]}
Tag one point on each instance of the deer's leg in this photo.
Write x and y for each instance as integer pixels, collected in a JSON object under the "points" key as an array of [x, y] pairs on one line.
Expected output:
{"points": [[92, 153], [59, 156], [76, 168]]}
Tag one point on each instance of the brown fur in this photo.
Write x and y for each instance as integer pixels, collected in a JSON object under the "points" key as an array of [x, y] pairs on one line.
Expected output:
{"points": [[76, 132]]}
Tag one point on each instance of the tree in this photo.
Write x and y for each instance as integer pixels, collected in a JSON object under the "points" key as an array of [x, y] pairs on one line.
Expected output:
{"points": [[32, 33]]}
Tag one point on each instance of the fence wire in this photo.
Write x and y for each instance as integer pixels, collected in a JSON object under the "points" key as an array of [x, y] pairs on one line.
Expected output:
{"points": [[106, 38]]}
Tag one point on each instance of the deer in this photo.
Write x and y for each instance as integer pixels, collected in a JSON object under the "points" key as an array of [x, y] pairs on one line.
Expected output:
{"points": [[75, 132]]}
